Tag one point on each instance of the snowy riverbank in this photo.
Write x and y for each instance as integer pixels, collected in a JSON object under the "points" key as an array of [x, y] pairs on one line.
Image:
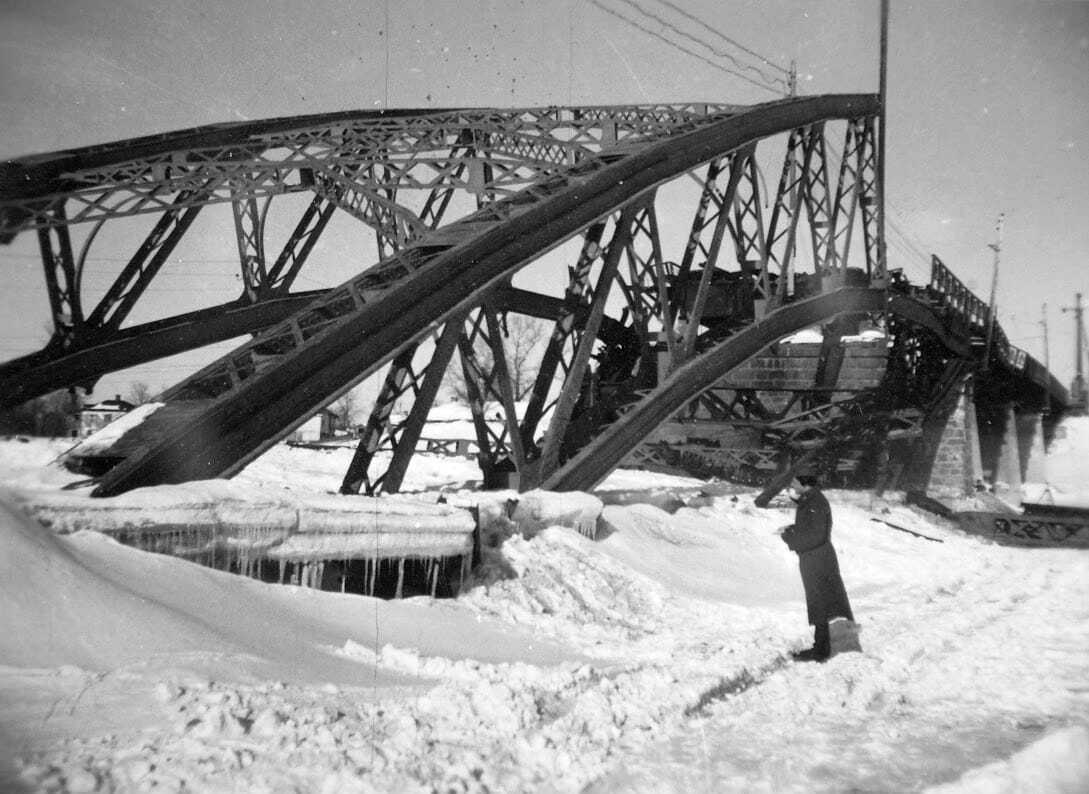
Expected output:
{"points": [[651, 659]]}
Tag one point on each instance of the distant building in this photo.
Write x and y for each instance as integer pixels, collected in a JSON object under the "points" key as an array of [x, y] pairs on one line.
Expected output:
{"points": [[96, 416], [322, 425]]}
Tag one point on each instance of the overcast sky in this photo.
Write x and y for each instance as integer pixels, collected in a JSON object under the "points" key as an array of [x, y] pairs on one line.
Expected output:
{"points": [[988, 101]]}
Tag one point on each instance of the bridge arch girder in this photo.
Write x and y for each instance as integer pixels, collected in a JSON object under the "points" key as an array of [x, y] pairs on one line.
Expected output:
{"points": [[369, 320]]}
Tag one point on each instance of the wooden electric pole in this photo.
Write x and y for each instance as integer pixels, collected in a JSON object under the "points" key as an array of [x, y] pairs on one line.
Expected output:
{"points": [[883, 79], [992, 309], [1047, 362], [1079, 394]]}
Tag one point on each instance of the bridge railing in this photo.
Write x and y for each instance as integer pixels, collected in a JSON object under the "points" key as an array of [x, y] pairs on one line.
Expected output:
{"points": [[954, 295], [973, 312], [1010, 355]]}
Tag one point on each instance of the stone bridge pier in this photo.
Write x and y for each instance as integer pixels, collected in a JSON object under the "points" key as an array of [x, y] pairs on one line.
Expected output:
{"points": [[969, 446]]}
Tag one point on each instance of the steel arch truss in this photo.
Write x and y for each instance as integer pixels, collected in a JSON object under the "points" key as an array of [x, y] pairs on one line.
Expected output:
{"points": [[639, 301]]}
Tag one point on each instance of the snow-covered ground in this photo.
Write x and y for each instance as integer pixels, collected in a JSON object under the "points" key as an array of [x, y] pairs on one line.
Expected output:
{"points": [[652, 658]]}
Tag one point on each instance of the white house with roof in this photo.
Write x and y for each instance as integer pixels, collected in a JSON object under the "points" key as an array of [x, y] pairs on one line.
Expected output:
{"points": [[95, 416]]}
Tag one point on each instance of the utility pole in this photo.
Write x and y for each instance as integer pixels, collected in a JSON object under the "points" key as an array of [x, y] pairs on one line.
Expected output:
{"points": [[993, 308], [1079, 395], [1047, 363], [883, 96]]}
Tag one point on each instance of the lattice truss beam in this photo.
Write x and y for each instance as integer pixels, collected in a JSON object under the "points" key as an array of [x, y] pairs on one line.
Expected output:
{"points": [[397, 173], [603, 176]]}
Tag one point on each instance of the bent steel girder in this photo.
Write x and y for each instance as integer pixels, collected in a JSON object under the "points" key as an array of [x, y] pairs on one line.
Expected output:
{"points": [[323, 351], [595, 460], [61, 277], [395, 171], [80, 353], [357, 162], [37, 373]]}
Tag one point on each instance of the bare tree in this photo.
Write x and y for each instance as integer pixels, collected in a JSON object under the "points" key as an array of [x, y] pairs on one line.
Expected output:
{"points": [[523, 337], [345, 410], [139, 393]]}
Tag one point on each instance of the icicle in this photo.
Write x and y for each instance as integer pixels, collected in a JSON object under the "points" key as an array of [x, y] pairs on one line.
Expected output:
{"points": [[283, 565], [400, 577], [434, 574]]}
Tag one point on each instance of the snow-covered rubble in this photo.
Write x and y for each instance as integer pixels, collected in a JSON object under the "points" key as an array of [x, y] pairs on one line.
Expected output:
{"points": [[652, 658]]}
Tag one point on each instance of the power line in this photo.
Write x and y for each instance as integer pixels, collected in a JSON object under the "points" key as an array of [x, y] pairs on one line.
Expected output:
{"points": [[723, 36], [721, 53], [685, 50]]}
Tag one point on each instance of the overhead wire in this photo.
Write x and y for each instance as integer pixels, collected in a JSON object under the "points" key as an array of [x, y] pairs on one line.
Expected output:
{"points": [[716, 51], [721, 35], [681, 48]]}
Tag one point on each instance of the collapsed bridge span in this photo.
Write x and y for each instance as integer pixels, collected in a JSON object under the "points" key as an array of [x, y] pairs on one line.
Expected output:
{"points": [[648, 236]]}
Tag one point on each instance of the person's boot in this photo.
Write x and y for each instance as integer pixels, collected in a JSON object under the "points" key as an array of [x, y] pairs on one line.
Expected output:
{"points": [[822, 641]]}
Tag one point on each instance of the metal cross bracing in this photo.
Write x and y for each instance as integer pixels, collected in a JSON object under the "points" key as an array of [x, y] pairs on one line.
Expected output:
{"points": [[543, 177], [259, 159], [394, 171]]}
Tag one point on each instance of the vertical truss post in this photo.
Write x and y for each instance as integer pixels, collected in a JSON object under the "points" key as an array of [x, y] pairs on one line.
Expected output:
{"points": [[402, 379], [722, 199], [405, 443], [572, 385], [747, 229], [484, 382], [871, 206], [249, 227], [385, 235], [848, 190], [61, 278], [647, 283], [378, 424], [576, 298], [784, 216], [700, 222], [480, 179], [819, 210]]}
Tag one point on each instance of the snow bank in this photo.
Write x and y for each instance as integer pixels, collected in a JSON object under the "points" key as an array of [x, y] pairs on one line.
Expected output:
{"points": [[727, 552], [86, 600], [1056, 764], [536, 510], [189, 517], [655, 658]]}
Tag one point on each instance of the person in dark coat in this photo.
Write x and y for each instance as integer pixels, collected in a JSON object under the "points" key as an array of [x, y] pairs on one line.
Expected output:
{"points": [[811, 537]]}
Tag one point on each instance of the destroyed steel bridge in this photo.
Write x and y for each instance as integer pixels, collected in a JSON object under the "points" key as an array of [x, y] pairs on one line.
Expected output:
{"points": [[655, 301]]}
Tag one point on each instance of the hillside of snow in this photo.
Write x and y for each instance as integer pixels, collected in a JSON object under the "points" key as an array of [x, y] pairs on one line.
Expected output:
{"points": [[654, 657]]}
